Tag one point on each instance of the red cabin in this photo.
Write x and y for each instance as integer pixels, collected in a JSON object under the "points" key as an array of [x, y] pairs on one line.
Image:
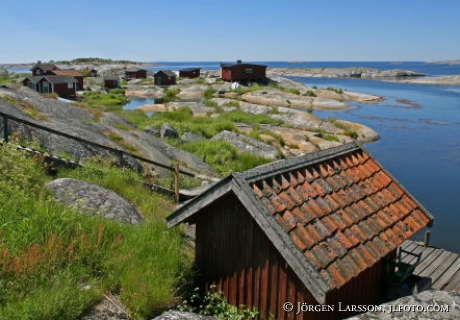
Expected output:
{"points": [[64, 86], [111, 81], [165, 77], [69, 72], [41, 69], [314, 230], [189, 73], [243, 72], [135, 73]]}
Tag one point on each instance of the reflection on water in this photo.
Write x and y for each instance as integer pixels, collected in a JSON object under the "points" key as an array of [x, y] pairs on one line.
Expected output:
{"points": [[137, 102]]}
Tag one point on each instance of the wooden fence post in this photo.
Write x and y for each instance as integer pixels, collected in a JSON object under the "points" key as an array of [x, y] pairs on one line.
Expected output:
{"points": [[176, 182], [5, 128], [120, 155]]}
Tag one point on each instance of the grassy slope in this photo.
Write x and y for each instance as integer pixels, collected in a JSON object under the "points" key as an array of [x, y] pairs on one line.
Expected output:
{"points": [[48, 253]]}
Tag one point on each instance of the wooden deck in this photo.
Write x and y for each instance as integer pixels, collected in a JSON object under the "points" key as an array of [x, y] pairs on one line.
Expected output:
{"points": [[441, 266]]}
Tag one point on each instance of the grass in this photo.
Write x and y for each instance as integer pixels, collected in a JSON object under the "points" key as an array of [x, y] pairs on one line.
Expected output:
{"points": [[115, 97], [346, 130], [49, 252], [170, 94], [209, 92], [336, 90], [223, 156], [27, 107]]}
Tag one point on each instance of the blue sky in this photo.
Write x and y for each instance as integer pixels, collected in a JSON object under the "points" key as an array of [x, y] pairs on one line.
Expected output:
{"points": [[251, 30]]}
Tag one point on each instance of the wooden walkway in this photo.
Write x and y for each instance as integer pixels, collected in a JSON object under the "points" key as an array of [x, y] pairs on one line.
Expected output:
{"points": [[441, 266]]}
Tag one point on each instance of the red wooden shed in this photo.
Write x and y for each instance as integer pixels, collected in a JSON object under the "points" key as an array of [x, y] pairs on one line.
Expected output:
{"points": [[111, 81], [69, 72], [314, 230], [64, 86], [40, 69], [243, 72], [189, 72], [135, 73], [165, 77]]}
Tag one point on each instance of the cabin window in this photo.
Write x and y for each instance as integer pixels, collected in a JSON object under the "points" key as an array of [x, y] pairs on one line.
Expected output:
{"points": [[38, 71], [69, 85], [248, 70]]}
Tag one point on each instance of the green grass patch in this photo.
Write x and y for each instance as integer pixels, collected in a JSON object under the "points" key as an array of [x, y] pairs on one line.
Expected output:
{"points": [[49, 252], [223, 156], [311, 93], [209, 92], [336, 90], [248, 118], [170, 94], [115, 98], [346, 129]]}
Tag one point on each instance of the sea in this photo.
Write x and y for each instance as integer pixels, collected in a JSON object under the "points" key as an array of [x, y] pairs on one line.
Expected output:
{"points": [[419, 127]]}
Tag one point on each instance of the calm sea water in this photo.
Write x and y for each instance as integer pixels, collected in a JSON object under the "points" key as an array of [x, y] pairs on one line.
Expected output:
{"points": [[420, 142]]}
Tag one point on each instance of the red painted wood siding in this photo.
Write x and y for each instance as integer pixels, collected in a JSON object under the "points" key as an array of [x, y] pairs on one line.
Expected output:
{"points": [[243, 72], [235, 255]]}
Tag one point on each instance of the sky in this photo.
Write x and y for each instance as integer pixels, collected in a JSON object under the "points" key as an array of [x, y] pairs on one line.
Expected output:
{"points": [[222, 30]]}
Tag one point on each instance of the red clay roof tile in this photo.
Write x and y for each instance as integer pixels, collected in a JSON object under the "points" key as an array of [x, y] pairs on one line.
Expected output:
{"points": [[306, 191], [299, 176], [290, 220], [302, 213], [298, 240], [287, 200], [329, 223], [345, 213]]}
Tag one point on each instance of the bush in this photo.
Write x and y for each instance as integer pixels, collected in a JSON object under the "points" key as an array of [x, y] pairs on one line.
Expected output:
{"points": [[214, 304], [311, 93], [336, 90]]}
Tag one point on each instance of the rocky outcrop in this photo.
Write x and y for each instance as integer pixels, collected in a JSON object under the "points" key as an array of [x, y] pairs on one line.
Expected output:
{"points": [[285, 99], [396, 73], [93, 200], [424, 305], [352, 72], [168, 131], [181, 315], [189, 136], [247, 144]]}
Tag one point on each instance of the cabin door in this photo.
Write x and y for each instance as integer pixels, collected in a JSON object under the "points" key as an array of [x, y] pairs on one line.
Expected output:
{"points": [[46, 88], [159, 80]]}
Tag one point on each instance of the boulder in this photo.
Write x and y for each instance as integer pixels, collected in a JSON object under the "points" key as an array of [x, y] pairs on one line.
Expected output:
{"points": [[168, 131], [93, 200], [189, 136], [153, 131], [247, 144]]}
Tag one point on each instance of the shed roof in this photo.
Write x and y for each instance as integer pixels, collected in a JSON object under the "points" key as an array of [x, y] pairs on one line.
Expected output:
{"points": [[111, 77], [229, 65], [134, 69], [45, 66], [68, 72], [169, 73], [189, 69], [34, 79], [60, 79], [331, 214]]}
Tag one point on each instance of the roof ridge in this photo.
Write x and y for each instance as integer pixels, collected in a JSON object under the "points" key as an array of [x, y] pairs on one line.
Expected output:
{"points": [[287, 165]]}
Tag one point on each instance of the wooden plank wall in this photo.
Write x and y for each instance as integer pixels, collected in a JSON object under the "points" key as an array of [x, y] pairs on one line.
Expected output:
{"points": [[236, 256]]}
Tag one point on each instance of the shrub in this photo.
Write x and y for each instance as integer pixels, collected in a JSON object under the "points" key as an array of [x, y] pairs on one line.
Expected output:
{"points": [[337, 90], [213, 303], [311, 93], [209, 92]]}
